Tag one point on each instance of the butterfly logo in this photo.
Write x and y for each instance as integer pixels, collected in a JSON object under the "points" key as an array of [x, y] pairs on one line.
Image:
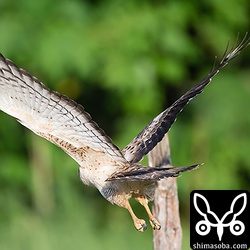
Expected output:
{"points": [[210, 219]]}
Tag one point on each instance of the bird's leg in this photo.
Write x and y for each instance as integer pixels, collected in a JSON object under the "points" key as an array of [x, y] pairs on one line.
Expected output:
{"points": [[153, 221], [140, 224]]}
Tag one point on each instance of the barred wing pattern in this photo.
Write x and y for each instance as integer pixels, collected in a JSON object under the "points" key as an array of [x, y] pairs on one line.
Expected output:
{"points": [[52, 115], [153, 133]]}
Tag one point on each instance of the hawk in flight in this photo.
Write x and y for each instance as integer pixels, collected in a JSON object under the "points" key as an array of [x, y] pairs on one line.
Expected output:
{"points": [[115, 173]]}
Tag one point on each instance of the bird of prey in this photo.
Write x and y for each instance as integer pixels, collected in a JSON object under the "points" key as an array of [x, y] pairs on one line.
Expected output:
{"points": [[116, 173]]}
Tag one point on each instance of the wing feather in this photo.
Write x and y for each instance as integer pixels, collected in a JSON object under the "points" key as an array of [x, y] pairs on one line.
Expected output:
{"points": [[153, 133], [50, 114]]}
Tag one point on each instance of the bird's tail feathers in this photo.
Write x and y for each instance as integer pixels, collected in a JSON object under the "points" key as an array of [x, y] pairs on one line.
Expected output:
{"points": [[139, 173]]}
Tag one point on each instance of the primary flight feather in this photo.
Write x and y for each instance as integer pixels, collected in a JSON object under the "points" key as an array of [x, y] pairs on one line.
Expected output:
{"points": [[115, 173]]}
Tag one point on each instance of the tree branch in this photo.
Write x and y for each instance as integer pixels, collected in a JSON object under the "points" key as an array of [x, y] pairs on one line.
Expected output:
{"points": [[166, 204]]}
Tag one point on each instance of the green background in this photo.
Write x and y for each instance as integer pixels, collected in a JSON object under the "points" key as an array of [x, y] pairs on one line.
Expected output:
{"points": [[125, 62]]}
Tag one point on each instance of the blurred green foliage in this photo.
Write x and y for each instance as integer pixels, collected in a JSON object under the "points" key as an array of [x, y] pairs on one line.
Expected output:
{"points": [[124, 61]]}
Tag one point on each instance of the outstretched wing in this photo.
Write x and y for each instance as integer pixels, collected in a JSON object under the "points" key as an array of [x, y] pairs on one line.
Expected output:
{"points": [[153, 133], [52, 115]]}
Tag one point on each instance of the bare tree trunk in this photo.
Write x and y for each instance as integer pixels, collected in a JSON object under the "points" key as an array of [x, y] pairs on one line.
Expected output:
{"points": [[42, 176], [166, 204]]}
